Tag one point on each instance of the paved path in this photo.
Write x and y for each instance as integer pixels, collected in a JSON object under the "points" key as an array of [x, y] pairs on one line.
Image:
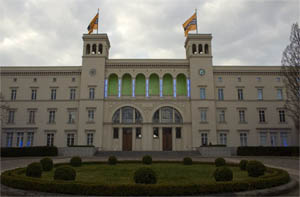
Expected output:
{"points": [[290, 164]]}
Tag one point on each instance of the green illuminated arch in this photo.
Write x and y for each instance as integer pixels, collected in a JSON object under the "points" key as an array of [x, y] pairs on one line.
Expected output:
{"points": [[126, 85], [181, 89], [113, 85], [140, 85], [153, 85], [167, 85]]}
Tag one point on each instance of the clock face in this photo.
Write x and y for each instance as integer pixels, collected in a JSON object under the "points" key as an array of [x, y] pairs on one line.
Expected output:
{"points": [[92, 72], [202, 72]]}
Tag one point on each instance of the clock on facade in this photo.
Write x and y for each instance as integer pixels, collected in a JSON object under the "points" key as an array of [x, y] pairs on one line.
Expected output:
{"points": [[202, 72], [92, 72]]}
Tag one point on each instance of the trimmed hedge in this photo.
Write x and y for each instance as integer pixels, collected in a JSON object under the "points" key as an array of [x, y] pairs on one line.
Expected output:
{"points": [[12, 178], [187, 161], [268, 151], [145, 176], [65, 173], [147, 159], [34, 151], [255, 168], [75, 161], [47, 164], [34, 170], [220, 162], [243, 164], [223, 174]]}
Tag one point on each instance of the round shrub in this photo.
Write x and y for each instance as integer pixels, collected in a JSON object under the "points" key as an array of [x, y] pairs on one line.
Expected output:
{"points": [[255, 168], [34, 170], [65, 173], [223, 174], [147, 159], [187, 161], [243, 164], [112, 160], [145, 176], [47, 164], [220, 162], [75, 161]]}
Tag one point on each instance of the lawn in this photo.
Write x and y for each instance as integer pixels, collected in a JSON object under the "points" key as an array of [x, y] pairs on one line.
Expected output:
{"points": [[172, 173]]}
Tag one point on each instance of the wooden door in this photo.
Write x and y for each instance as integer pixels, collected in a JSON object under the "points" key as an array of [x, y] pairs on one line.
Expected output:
{"points": [[167, 139], [127, 139]]}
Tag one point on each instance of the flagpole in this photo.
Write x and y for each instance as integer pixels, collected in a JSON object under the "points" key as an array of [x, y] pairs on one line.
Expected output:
{"points": [[196, 21], [98, 21]]}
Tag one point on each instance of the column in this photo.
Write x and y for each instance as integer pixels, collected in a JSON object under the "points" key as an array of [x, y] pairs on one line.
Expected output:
{"points": [[133, 87], [188, 87], [160, 87], [160, 137], [174, 87], [147, 87], [173, 138], [105, 87], [119, 87]]}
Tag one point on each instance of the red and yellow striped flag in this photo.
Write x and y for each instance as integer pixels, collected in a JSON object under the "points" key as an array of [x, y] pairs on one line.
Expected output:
{"points": [[93, 24], [190, 24]]}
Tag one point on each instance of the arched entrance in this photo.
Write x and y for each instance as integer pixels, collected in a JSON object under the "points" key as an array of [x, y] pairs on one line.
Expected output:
{"points": [[127, 118], [169, 121]]}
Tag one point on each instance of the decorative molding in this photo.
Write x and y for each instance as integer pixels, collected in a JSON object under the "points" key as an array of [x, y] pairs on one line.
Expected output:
{"points": [[40, 73]]}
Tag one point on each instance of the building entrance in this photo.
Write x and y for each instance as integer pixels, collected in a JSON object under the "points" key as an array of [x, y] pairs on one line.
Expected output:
{"points": [[167, 138], [127, 139]]}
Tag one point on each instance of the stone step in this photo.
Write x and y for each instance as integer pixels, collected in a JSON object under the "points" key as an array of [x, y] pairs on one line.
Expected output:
{"points": [[156, 154]]}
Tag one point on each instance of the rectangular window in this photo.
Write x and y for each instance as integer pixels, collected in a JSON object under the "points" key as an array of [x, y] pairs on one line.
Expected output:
{"points": [[155, 133], [90, 115], [243, 139], [70, 139], [9, 139], [204, 139], [242, 116], [33, 94], [273, 139], [91, 93], [178, 132], [263, 138], [11, 117], [279, 94], [202, 93], [20, 139], [220, 94], [220, 79], [262, 117], [240, 95], [53, 94], [90, 139], [284, 138], [260, 94], [51, 116], [30, 139], [223, 138], [50, 139], [281, 116], [31, 117], [138, 133], [222, 116], [72, 93], [116, 133], [13, 94], [203, 116], [71, 117]]}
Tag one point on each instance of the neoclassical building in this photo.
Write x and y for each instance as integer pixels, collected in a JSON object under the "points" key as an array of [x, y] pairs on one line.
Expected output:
{"points": [[144, 104]]}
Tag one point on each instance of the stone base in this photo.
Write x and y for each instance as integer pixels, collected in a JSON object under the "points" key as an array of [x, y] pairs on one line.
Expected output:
{"points": [[77, 151], [211, 151]]}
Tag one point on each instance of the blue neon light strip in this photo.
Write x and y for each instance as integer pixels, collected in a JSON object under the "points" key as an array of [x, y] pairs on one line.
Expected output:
{"points": [[161, 88], [133, 87], [174, 87], [105, 88], [188, 88], [119, 88], [147, 87]]}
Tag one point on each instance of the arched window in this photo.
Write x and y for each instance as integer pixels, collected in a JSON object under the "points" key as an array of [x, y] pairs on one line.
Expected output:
{"points": [[94, 49], [88, 49], [126, 85], [153, 85], [140, 85], [206, 49], [181, 87], [113, 85], [194, 49], [167, 115], [200, 49], [127, 115], [167, 85], [100, 49]]}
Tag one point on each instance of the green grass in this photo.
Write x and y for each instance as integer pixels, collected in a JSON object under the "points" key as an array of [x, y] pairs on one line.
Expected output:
{"points": [[173, 173]]}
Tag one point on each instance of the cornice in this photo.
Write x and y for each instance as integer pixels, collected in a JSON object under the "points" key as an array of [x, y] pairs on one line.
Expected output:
{"points": [[40, 73], [154, 63], [224, 72]]}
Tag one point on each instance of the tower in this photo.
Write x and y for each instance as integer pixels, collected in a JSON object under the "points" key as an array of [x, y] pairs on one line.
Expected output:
{"points": [[199, 53]]}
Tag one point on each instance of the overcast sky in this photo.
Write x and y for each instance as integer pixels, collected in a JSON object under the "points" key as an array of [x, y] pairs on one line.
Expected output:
{"points": [[48, 32]]}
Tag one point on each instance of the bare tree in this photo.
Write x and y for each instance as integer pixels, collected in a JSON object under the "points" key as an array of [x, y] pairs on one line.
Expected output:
{"points": [[291, 71]]}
